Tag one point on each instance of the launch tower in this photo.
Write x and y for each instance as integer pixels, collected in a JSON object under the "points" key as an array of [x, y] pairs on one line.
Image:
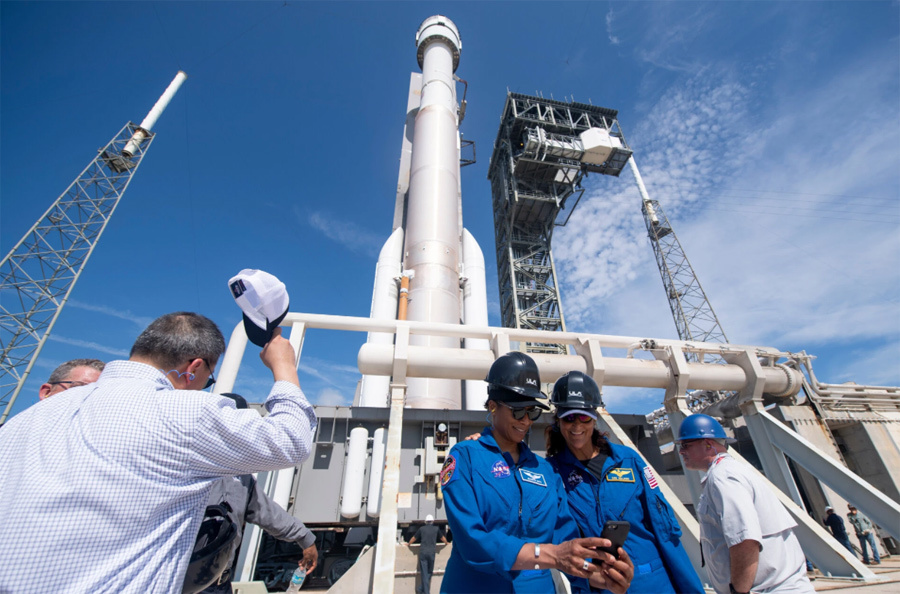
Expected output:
{"points": [[39, 273], [543, 150]]}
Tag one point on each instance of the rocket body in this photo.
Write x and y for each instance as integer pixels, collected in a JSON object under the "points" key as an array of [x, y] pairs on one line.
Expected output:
{"points": [[429, 213], [432, 225]]}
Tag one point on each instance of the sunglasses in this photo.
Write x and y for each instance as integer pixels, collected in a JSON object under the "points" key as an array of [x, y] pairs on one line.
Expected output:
{"points": [[686, 444], [74, 383], [212, 378], [581, 418], [519, 413]]}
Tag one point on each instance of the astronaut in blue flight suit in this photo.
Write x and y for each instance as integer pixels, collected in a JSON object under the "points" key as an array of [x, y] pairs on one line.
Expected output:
{"points": [[606, 481], [506, 507]]}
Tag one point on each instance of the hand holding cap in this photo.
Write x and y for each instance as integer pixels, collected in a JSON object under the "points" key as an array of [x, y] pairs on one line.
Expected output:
{"points": [[264, 301]]}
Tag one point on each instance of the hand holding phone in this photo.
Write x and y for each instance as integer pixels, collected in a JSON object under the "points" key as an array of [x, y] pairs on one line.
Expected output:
{"points": [[615, 531]]}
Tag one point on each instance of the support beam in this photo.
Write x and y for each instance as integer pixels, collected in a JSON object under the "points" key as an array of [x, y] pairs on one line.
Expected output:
{"points": [[385, 548]]}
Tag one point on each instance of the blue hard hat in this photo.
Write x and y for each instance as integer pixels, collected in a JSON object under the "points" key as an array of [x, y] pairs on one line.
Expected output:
{"points": [[700, 426]]}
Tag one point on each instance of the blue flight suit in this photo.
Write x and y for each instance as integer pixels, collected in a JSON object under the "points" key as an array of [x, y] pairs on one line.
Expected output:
{"points": [[494, 507], [660, 562]]}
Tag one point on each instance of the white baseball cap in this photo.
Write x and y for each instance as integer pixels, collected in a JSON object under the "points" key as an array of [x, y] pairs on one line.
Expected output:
{"points": [[264, 301], [429, 519]]}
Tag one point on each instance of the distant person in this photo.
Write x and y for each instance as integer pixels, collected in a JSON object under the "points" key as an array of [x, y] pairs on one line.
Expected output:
{"points": [[71, 374], [507, 508], [865, 532], [746, 536], [428, 536], [836, 524], [104, 490], [246, 501], [606, 481]]}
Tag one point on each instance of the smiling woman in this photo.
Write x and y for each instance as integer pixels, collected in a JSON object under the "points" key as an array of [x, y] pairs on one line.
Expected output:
{"points": [[605, 482], [506, 507]]}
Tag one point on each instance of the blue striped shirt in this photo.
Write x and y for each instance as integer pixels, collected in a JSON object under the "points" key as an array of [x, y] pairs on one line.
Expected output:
{"points": [[103, 487]]}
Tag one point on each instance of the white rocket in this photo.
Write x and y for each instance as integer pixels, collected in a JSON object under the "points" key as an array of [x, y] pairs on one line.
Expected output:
{"points": [[430, 269]]}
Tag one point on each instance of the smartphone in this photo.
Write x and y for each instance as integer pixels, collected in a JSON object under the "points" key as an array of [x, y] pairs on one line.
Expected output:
{"points": [[616, 531]]}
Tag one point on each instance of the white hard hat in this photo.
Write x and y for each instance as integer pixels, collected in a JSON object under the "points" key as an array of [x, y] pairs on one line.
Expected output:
{"points": [[429, 519]]}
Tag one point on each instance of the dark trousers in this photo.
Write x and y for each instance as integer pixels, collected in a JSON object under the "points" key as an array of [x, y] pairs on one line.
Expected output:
{"points": [[426, 567], [846, 542]]}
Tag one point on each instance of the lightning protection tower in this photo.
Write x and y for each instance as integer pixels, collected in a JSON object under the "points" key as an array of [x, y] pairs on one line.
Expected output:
{"points": [[693, 314], [39, 273], [694, 317], [543, 150]]}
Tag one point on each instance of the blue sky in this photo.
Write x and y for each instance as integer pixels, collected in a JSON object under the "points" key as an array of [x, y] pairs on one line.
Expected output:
{"points": [[769, 132]]}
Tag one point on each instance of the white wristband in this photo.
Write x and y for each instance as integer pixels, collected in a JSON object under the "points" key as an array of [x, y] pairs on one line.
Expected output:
{"points": [[537, 554]]}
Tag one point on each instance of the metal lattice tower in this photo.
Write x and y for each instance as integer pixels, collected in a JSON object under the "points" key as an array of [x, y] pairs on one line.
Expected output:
{"points": [[39, 273], [693, 314], [694, 317], [543, 150]]}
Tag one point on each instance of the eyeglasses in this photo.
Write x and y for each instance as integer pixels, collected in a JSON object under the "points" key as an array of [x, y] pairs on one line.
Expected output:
{"points": [[518, 413], [212, 378], [686, 444], [581, 418], [74, 383]]}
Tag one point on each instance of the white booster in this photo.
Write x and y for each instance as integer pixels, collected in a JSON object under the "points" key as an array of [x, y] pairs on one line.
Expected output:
{"points": [[385, 294]]}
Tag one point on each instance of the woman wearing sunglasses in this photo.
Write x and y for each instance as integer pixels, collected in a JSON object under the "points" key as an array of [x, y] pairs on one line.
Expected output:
{"points": [[506, 507], [606, 481]]}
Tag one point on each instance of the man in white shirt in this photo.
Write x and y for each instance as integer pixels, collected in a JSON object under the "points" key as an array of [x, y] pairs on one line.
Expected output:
{"points": [[104, 486], [746, 535]]}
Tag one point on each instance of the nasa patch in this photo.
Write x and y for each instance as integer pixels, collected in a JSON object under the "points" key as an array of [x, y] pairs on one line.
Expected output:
{"points": [[448, 470], [575, 478], [535, 478], [500, 469], [620, 475]]}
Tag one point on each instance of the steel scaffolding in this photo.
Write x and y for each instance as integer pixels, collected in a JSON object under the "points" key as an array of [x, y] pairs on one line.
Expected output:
{"points": [[540, 158], [694, 316], [39, 273]]}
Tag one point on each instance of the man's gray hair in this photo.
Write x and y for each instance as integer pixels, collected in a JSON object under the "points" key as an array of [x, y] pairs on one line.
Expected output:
{"points": [[174, 338], [61, 373]]}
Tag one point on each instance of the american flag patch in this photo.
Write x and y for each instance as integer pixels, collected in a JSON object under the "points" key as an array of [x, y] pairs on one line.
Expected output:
{"points": [[651, 478]]}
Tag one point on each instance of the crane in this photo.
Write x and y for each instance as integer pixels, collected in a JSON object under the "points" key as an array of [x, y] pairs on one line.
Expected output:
{"points": [[38, 274]]}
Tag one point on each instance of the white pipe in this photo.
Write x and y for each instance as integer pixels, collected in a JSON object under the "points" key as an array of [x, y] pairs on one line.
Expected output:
{"points": [[638, 180], [354, 471], [281, 491], [375, 388], [635, 373], [163, 101], [475, 313], [231, 360], [132, 147], [376, 472], [432, 229]]}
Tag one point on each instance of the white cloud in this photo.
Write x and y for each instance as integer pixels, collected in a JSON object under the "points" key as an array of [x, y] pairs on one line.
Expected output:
{"points": [[140, 321], [123, 353], [348, 234], [787, 209], [332, 397], [610, 18]]}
